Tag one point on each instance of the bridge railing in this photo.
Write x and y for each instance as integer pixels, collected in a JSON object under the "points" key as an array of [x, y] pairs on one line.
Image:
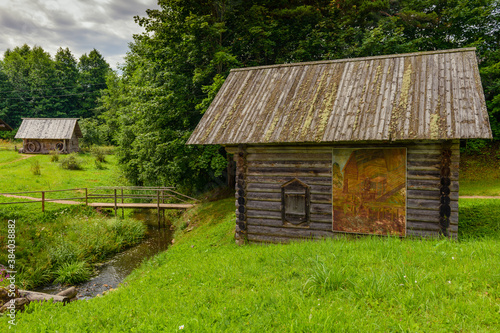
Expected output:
{"points": [[115, 195]]}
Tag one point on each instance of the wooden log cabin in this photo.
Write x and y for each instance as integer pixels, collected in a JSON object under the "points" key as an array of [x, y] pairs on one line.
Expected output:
{"points": [[363, 146], [42, 135]]}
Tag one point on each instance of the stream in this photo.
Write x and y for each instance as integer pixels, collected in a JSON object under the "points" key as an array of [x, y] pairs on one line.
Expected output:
{"points": [[119, 266]]}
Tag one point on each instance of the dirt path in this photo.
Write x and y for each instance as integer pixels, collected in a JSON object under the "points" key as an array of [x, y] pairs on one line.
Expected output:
{"points": [[65, 202], [479, 197], [20, 159]]}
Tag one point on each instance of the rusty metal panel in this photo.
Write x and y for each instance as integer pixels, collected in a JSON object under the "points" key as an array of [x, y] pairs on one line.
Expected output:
{"points": [[48, 128], [418, 96]]}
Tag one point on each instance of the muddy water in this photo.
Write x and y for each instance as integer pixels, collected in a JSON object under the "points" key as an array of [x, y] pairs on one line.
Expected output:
{"points": [[113, 272]]}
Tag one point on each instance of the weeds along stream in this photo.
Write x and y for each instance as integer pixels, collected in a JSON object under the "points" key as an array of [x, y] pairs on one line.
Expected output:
{"points": [[112, 272]]}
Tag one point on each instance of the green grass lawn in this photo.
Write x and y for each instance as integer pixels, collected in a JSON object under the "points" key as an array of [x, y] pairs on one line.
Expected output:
{"points": [[480, 174], [18, 177], [205, 283]]}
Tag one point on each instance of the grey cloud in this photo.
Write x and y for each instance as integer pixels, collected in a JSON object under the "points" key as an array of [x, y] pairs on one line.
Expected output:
{"points": [[112, 29]]}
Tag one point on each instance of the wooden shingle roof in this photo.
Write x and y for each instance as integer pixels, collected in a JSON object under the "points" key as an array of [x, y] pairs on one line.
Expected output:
{"points": [[4, 126], [417, 96], [48, 128]]}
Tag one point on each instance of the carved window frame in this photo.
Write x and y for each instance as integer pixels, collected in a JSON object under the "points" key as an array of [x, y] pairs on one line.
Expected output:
{"points": [[295, 190]]}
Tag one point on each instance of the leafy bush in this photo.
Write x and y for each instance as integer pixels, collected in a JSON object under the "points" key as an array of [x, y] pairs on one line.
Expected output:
{"points": [[71, 162], [99, 153], [54, 156], [99, 165], [35, 168], [71, 273]]}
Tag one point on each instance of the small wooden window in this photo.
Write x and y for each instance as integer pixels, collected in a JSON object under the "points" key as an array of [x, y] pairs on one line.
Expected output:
{"points": [[295, 202]]}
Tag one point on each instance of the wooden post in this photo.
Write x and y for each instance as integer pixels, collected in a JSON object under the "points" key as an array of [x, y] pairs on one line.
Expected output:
{"points": [[123, 213], [43, 201], [158, 206], [115, 202], [163, 210], [86, 197]]}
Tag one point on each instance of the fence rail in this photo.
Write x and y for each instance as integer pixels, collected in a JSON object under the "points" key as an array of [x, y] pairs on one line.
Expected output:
{"points": [[122, 197]]}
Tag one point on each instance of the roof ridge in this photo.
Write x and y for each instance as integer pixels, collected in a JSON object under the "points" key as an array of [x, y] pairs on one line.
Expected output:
{"points": [[401, 55]]}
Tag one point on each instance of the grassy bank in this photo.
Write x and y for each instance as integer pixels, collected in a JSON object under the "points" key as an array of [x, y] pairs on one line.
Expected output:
{"points": [[480, 173], [206, 283], [16, 174], [62, 244]]}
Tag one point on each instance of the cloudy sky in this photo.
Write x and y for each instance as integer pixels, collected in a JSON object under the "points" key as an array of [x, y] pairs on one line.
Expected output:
{"points": [[80, 25]]}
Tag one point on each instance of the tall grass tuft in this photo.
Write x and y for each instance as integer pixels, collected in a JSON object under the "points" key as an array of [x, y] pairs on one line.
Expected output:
{"points": [[326, 279], [35, 168], [72, 272]]}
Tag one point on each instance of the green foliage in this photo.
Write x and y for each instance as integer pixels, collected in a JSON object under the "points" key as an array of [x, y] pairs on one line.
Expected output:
{"points": [[33, 84], [99, 153], [35, 168], [72, 272], [71, 162]]}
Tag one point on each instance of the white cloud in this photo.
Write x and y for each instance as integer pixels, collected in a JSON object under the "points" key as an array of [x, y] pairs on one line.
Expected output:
{"points": [[80, 25]]}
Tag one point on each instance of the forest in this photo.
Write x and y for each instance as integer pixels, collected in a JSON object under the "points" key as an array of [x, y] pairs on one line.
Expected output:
{"points": [[150, 106]]}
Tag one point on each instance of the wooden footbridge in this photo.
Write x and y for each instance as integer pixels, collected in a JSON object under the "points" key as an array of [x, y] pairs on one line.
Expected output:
{"points": [[123, 197]]}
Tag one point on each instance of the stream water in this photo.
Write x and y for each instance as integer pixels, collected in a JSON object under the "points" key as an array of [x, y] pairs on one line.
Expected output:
{"points": [[113, 272]]}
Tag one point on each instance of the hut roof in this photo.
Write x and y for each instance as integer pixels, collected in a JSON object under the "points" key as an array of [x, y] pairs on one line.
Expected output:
{"points": [[4, 126], [416, 96], [48, 128]]}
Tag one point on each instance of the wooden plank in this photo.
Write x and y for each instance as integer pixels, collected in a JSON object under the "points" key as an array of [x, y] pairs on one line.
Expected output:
{"points": [[316, 208], [276, 196], [262, 187], [280, 149], [427, 204], [279, 223], [429, 174], [270, 239], [290, 157], [267, 179], [295, 172], [413, 164], [288, 232], [428, 216], [140, 205], [289, 164], [428, 194], [418, 225], [429, 184], [431, 158]]}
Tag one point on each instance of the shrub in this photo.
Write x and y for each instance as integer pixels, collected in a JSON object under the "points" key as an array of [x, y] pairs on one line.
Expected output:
{"points": [[71, 162], [35, 168], [99, 153], [99, 165], [54, 156], [74, 272]]}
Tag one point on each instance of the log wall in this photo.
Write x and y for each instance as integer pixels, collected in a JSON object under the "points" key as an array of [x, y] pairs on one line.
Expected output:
{"points": [[261, 170], [47, 145]]}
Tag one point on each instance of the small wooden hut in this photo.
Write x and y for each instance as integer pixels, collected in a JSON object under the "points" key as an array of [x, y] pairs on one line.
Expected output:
{"points": [[4, 126], [364, 146], [42, 135]]}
